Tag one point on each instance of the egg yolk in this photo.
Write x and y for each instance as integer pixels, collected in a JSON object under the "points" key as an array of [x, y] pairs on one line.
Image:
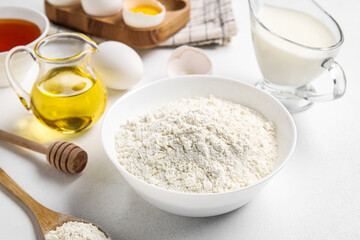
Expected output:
{"points": [[149, 10]]}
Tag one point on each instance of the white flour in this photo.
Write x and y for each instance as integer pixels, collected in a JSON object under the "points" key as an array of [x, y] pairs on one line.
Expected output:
{"points": [[76, 231], [198, 145]]}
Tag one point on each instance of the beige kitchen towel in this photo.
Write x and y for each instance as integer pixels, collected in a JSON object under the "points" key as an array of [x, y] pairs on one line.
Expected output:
{"points": [[211, 22]]}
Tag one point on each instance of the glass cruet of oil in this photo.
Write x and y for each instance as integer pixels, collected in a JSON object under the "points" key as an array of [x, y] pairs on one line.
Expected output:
{"points": [[67, 95]]}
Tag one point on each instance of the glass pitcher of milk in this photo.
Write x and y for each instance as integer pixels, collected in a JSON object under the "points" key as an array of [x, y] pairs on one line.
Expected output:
{"points": [[295, 42]]}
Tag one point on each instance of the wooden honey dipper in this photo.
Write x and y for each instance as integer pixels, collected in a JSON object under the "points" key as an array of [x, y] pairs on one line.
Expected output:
{"points": [[65, 156]]}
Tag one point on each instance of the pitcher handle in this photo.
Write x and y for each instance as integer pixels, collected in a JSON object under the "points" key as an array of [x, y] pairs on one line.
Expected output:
{"points": [[339, 81], [22, 94]]}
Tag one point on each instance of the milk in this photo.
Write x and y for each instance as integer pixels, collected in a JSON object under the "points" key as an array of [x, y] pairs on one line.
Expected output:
{"points": [[283, 62]]}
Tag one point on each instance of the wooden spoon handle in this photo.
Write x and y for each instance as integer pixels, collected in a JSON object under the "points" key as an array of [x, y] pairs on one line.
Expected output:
{"points": [[23, 142], [46, 217], [18, 192]]}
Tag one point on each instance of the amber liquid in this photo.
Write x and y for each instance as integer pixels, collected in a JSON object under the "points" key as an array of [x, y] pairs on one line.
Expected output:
{"points": [[67, 99], [15, 32]]}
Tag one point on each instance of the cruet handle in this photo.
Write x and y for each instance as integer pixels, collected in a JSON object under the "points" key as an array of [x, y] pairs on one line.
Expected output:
{"points": [[338, 81], [22, 94]]}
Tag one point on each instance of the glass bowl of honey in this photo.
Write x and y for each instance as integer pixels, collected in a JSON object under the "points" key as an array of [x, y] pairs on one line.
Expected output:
{"points": [[19, 26]]}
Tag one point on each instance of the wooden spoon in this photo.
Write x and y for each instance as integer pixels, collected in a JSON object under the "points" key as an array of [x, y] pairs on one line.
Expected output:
{"points": [[65, 156], [48, 219]]}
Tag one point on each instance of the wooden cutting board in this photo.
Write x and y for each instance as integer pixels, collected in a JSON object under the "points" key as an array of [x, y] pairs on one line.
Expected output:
{"points": [[113, 27]]}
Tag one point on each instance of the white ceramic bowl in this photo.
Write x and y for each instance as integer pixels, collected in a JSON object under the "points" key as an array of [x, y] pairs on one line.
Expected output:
{"points": [[22, 64], [164, 91]]}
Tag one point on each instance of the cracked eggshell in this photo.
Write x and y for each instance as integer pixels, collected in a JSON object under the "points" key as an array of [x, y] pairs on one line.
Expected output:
{"points": [[63, 3], [117, 64], [141, 20], [187, 60], [101, 8]]}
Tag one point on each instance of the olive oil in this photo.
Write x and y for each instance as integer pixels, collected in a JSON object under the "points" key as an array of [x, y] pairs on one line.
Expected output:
{"points": [[67, 99]]}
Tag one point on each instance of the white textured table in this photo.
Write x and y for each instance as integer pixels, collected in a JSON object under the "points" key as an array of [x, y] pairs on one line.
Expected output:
{"points": [[316, 196]]}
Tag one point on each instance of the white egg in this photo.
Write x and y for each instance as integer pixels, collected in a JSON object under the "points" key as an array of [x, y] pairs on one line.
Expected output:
{"points": [[141, 19], [101, 8], [117, 64], [63, 3]]}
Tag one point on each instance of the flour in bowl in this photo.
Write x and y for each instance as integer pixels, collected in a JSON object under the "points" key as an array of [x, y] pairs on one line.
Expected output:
{"points": [[198, 145]]}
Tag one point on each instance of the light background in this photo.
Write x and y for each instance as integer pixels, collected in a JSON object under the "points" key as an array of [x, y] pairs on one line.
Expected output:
{"points": [[316, 196]]}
